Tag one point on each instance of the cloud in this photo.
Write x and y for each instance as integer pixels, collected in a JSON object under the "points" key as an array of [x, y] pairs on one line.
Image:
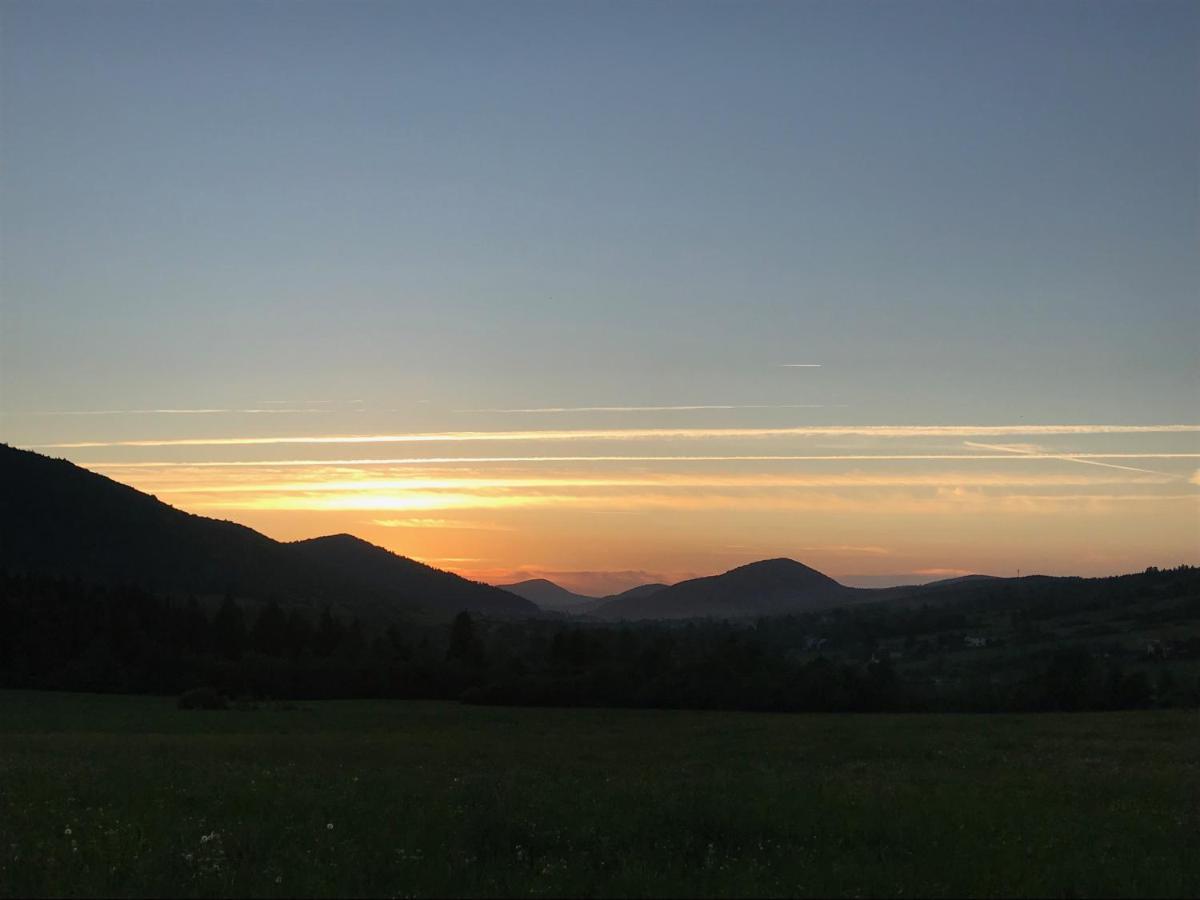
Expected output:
{"points": [[452, 524], [725, 406], [500, 483], [848, 548], [456, 460], [1035, 450], [178, 412], [634, 434], [308, 402], [942, 501]]}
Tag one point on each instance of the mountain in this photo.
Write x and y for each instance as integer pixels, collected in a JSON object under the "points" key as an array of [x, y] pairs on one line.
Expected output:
{"points": [[59, 519], [556, 598], [642, 590], [374, 570], [548, 595], [769, 587]]}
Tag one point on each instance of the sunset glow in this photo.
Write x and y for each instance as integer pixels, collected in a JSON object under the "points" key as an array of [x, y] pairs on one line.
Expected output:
{"points": [[892, 292], [1061, 498]]}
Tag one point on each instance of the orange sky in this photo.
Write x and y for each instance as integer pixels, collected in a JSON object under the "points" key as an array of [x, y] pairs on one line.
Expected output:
{"points": [[618, 291], [599, 510]]}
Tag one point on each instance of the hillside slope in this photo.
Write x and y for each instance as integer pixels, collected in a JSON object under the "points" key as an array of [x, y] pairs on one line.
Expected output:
{"points": [[556, 598], [769, 587], [548, 595], [59, 519]]}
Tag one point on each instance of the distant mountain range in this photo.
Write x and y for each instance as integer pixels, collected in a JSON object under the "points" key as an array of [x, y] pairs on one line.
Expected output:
{"points": [[765, 588], [769, 587], [59, 519], [552, 597]]}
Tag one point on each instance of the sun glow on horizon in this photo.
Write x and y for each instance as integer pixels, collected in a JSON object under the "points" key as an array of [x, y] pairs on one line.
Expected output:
{"points": [[859, 501]]}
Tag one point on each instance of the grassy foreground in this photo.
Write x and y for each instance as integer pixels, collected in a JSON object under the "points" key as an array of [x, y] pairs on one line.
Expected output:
{"points": [[104, 795]]}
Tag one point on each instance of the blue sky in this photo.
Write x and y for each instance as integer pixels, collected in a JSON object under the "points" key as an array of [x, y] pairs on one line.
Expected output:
{"points": [[965, 213]]}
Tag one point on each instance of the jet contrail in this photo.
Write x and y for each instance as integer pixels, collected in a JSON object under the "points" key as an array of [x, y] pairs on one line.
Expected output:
{"points": [[572, 409], [633, 434], [452, 460], [1087, 461]]}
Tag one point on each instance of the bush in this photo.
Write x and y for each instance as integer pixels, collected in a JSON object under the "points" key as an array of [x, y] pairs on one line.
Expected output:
{"points": [[474, 696], [202, 698]]}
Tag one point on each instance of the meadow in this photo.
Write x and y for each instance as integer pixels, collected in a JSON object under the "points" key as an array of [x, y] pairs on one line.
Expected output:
{"points": [[129, 796]]}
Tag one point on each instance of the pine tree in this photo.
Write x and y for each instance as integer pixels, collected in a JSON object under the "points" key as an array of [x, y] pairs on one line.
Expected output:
{"points": [[229, 629]]}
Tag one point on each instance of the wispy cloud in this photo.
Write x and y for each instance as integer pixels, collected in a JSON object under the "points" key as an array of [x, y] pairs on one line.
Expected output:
{"points": [[944, 502], [493, 484], [467, 460], [449, 524], [851, 549], [678, 408], [311, 402], [1028, 450], [199, 411], [633, 434]]}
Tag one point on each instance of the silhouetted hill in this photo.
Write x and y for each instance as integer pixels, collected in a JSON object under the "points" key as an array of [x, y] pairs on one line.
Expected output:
{"points": [[548, 595], [769, 587], [642, 590], [59, 519], [377, 570], [556, 598]]}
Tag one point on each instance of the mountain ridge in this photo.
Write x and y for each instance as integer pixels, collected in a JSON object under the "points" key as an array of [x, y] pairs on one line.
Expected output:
{"points": [[60, 519], [553, 597], [548, 595], [57, 518], [766, 587]]}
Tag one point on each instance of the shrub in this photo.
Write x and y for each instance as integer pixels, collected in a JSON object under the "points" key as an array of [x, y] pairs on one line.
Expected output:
{"points": [[202, 698]]}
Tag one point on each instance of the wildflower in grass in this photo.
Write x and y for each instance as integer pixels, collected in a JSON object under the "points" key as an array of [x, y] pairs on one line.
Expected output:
{"points": [[329, 826], [67, 831]]}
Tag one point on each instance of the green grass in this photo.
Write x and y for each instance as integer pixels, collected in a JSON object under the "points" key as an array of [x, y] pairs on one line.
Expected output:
{"points": [[400, 799]]}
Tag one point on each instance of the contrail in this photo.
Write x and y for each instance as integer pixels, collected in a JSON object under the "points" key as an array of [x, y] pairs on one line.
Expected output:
{"points": [[633, 434], [1087, 461], [572, 409], [171, 412], [451, 460]]}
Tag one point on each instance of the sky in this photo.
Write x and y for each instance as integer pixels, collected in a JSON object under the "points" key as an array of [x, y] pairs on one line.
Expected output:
{"points": [[618, 292]]}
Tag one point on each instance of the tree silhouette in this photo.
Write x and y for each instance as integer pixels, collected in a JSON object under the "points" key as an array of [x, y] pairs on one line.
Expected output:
{"points": [[229, 629], [465, 645], [270, 632]]}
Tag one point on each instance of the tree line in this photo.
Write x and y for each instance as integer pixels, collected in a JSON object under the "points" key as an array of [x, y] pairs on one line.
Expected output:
{"points": [[64, 634]]}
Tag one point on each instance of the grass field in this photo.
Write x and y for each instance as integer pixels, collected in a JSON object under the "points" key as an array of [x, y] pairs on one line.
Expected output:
{"points": [[130, 796]]}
